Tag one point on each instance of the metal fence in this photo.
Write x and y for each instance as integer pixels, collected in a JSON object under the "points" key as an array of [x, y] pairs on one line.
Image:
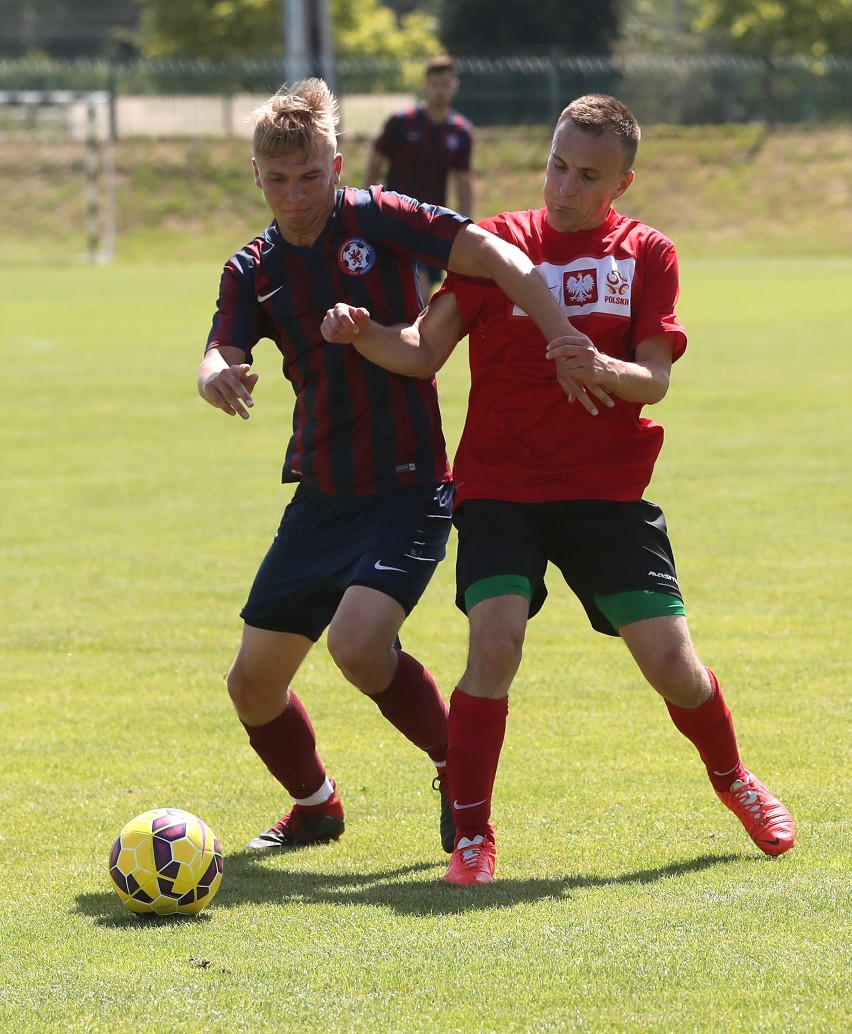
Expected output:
{"points": [[205, 97]]}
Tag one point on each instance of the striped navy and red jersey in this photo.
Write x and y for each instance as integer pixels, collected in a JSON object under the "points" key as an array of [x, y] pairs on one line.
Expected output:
{"points": [[422, 153], [357, 429]]}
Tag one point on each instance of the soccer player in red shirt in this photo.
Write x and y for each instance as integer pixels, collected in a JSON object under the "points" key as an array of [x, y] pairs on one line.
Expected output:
{"points": [[422, 147], [539, 479], [371, 515]]}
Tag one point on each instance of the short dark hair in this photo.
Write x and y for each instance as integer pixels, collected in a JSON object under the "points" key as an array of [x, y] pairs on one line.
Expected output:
{"points": [[443, 63], [598, 113]]}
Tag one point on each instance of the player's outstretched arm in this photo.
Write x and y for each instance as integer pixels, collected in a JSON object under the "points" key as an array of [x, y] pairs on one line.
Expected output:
{"points": [[417, 350], [476, 252], [225, 381]]}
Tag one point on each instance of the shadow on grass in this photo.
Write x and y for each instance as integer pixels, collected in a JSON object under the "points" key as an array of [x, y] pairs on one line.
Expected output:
{"points": [[249, 878]]}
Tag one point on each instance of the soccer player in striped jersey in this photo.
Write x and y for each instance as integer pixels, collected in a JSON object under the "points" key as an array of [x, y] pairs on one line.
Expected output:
{"points": [[371, 513], [424, 146], [539, 480]]}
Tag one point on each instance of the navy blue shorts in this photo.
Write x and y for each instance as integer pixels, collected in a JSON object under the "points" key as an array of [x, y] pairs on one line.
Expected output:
{"points": [[325, 543], [603, 549]]}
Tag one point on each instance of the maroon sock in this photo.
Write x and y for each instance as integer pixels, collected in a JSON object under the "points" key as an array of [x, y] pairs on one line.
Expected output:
{"points": [[711, 729], [413, 704], [476, 726], [288, 747]]}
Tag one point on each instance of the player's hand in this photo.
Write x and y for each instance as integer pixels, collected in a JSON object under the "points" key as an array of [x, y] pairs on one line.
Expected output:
{"points": [[230, 390], [581, 370], [341, 323], [575, 391]]}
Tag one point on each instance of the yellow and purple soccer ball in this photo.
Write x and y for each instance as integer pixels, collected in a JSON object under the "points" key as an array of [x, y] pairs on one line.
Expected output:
{"points": [[166, 862]]}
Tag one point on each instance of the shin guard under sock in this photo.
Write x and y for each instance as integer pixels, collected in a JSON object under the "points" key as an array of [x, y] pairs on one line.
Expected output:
{"points": [[711, 729], [476, 729], [287, 746], [413, 704]]}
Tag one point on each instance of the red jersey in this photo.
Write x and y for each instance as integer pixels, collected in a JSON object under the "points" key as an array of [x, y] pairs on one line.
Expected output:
{"points": [[523, 441]]}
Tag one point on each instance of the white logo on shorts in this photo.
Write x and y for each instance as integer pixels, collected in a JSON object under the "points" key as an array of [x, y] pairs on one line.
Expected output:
{"points": [[379, 566]]}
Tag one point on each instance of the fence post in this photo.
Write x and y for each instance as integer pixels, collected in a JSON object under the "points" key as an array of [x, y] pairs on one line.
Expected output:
{"points": [[553, 86], [93, 205]]}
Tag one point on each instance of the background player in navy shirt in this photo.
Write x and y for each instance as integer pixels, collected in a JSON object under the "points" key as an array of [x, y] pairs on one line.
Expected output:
{"points": [[370, 517], [420, 148]]}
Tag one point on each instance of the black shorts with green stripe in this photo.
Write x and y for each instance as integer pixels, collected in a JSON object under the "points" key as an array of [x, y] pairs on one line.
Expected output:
{"points": [[615, 556]]}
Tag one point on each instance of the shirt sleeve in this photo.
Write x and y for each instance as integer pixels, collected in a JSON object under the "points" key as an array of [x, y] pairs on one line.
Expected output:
{"points": [[473, 297], [419, 231], [239, 321], [387, 141], [660, 290], [461, 156]]}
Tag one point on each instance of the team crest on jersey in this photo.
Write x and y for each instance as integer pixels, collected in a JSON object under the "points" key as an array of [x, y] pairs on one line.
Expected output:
{"points": [[617, 284], [580, 286], [356, 257]]}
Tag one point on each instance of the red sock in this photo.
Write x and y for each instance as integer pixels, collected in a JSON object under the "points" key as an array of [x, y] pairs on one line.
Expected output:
{"points": [[413, 704], [476, 730], [288, 747], [711, 728]]}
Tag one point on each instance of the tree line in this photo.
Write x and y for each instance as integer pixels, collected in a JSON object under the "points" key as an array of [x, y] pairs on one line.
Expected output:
{"points": [[406, 29]]}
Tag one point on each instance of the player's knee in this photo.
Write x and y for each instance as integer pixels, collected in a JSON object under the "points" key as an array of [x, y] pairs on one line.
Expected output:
{"points": [[256, 700], [350, 664], [497, 651], [680, 679], [244, 690], [238, 686], [352, 656]]}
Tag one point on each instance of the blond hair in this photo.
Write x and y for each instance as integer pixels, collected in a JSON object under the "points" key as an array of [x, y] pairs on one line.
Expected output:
{"points": [[297, 119], [598, 113]]}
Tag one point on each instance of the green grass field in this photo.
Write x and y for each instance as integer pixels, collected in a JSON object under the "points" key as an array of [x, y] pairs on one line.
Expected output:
{"points": [[628, 900]]}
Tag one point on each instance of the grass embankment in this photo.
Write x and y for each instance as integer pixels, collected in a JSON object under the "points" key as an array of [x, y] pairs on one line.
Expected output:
{"points": [[732, 190]]}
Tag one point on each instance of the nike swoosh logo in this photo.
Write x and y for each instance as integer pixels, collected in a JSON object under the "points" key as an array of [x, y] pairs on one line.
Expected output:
{"points": [[265, 297], [474, 805], [379, 566], [776, 841]]}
